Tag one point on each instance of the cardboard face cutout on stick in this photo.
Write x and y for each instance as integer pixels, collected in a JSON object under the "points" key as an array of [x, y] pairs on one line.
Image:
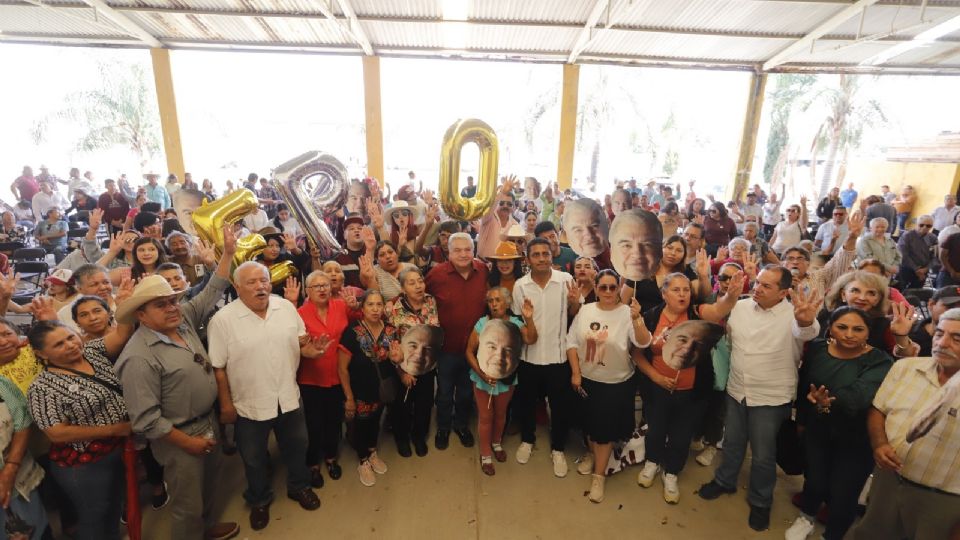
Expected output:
{"points": [[420, 346], [586, 225], [689, 343], [636, 244], [499, 350], [186, 202]]}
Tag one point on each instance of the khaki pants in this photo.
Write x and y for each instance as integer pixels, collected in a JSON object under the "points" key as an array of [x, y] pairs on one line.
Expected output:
{"points": [[190, 483], [897, 509]]}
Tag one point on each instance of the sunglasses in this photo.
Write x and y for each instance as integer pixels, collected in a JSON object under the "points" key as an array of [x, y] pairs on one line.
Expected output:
{"points": [[724, 278], [839, 214], [606, 288], [924, 226], [508, 204], [198, 358]]}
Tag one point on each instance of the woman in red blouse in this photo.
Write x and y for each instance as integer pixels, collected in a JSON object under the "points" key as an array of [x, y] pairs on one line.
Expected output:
{"points": [[324, 315], [718, 228]]}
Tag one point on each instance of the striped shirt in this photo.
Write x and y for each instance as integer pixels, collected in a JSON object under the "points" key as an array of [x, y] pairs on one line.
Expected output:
{"points": [[934, 459]]}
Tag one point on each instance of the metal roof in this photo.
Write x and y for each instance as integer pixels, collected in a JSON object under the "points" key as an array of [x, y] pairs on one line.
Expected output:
{"points": [[770, 35]]}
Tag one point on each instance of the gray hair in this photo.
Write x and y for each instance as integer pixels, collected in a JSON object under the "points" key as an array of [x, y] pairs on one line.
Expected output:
{"points": [[878, 220], [460, 236], [669, 279], [925, 217], [406, 272], [952, 314], [178, 234], [249, 264], [504, 292], [87, 270], [751, 225], [314, 275], [738, 241]]}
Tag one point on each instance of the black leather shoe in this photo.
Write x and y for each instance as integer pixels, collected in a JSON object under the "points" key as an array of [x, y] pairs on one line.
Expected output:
{"points": [[403, 448], [759, 518], [711, 490], [316, 477], [420, 446], [442, 440], [259, 517], [334, 470], [307, 498], [466, 438]]}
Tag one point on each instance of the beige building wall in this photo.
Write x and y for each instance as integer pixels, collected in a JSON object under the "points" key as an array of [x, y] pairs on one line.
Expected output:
{"points": [[931, 180]]}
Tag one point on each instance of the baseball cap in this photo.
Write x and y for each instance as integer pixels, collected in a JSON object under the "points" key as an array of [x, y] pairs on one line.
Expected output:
{"points": [[947, 295], [60, 276]]}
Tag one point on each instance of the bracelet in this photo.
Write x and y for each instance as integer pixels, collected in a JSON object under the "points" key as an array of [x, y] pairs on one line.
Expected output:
{"points": [[17, 463]]}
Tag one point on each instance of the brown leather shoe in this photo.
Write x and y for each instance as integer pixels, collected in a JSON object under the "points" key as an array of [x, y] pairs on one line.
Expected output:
{"points": [[259, 517], [307, 498], [222, 531]]}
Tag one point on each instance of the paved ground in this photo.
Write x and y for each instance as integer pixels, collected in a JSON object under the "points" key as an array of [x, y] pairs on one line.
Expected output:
{"points": [[445, 495]]}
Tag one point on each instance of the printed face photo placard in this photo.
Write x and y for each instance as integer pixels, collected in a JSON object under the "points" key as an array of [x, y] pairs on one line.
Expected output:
{"points": [[586, 226], [689, 343], [420, 346], [499, 351], [636, 244]]}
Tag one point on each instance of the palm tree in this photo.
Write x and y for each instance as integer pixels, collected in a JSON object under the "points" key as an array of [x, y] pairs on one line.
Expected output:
{"points": [[842, 129], [782, 99], [122, 111]]}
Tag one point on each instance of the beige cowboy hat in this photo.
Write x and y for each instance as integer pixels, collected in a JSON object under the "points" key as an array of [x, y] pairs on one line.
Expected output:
{"points": [[149, 288], [397, 207], [506, 250], [516, 232]]}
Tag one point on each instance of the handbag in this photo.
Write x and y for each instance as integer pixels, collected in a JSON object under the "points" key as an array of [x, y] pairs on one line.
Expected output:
{"points": [[790, 454], [389, 387], [720, 356]]}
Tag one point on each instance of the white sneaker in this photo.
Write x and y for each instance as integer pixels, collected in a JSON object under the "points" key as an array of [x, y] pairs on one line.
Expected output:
{"points": [[523, 453], [697, 445], [585, 464], [648, 474], [559, 463], [706, 457], [367, 476], [596, 488], [671, 491], [801, 528], [376, 463]]}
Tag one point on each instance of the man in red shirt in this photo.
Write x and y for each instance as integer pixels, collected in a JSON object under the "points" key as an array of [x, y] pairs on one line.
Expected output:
{"points": [[27, 186], [460, 288], [114, 205]]}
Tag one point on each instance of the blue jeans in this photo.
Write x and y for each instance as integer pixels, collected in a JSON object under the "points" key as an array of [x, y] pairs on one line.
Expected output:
{"points": [[97, 491], [758, 426], [290, 430], [454, 391]]}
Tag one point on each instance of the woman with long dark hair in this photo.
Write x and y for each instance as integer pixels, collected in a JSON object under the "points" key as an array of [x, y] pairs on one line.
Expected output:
{"points": [[507, 266], [148, 254]]}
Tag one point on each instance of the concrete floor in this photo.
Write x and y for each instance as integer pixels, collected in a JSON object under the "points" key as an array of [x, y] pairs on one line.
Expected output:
{"points": [[445, 495]]}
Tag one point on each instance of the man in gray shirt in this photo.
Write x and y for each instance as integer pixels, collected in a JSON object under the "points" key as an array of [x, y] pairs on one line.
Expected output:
{"points": [[169, 387]]}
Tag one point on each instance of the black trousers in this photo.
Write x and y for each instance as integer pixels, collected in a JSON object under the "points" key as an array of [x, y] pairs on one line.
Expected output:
{"points": [[152, 467], [365, 433], [836, 470], [672, 419], [323, 411], [553, 382], [410, 416]]}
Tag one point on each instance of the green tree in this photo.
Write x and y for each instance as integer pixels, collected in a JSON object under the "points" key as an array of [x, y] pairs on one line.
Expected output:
{"points": [[121, 111], [782, 100]]}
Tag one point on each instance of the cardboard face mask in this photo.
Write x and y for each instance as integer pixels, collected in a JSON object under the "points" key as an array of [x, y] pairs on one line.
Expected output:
{"points": [[420, 347], [185, 202], [499, 350], [636, 244], [689, 343], [586, 225]]}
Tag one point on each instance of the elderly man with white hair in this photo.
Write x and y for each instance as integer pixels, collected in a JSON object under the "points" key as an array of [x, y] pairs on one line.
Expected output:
{"points": [[878, 245], [256, 343], [459, 286]]}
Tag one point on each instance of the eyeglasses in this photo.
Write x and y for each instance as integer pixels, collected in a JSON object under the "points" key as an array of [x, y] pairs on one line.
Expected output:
{"points": [[606, 288], [507, 204], [924, 226], [839, 214], [724, 277], [795, 259], [791, 209], [198, 358], [319, 286]]}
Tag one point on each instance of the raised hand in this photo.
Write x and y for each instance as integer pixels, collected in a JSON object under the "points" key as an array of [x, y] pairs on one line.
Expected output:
{"points": [[698, 219], [124, 290], [369, 238], [42, 308], [229, 241], [96, 218], [806, 305], [117, 243], [723, 253], [291, 290], [803, 201], [206, 253], [8, 284], [375, 213], [573, 293], [432, 212], [526, 309], [820, 397], [427, 196], [510, 183], [350, 300], [703, 263], [735, 288], [751, 265], [855, 223], [289, 241], [902, 321], [404, 230]]}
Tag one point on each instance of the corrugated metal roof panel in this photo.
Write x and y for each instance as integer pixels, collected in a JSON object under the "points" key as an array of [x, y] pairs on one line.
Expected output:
{"points": [[618, 42], [520, 38], [243, 29], [81, 22], [887, 18], [728, 15], [424, 9], [566, 11]]}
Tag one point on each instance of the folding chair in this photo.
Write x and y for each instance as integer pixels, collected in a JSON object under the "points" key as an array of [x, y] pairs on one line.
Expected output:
{"points": [[918, 298], [32, 274], [29, 254]]}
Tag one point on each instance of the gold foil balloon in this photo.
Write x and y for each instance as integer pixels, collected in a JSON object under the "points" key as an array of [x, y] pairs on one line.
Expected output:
{"points": [[209, 218], [281, 271], [462, 132], [248, 248], [314, 185]]}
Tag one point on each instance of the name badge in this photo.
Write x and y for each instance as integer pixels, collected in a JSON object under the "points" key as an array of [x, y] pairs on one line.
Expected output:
{"points": [[199, 269]]}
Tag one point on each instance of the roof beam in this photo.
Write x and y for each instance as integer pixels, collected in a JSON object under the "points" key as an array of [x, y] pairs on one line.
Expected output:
{"points": [[807, 41], [586, 33], [124, 23], [355, 29]]}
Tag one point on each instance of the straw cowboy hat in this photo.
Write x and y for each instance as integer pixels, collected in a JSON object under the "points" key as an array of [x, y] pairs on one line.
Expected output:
{"points": [[398, 206], [506, 250], [516, 232], [149, 288]]}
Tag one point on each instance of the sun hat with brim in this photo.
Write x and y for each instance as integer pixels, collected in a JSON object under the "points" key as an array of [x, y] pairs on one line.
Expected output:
{"points": [[149, 288], [61, 276], [398, 206], [270, 232], [516, 232], [506, 250]]}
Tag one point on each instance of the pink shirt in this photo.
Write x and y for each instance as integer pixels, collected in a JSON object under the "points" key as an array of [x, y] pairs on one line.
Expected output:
{"points": [[491, 233]]}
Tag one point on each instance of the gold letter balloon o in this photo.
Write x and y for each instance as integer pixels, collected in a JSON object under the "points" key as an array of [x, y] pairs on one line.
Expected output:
{"points": [[462, 132]]}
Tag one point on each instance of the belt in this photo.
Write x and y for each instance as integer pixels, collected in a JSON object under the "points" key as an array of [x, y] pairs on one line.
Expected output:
{"points": [[192, 420], [926, 488]]}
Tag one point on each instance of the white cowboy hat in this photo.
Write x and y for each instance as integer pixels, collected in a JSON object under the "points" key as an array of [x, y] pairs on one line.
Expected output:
{"points": [[515, 232], [149, 288], [398, 206]]}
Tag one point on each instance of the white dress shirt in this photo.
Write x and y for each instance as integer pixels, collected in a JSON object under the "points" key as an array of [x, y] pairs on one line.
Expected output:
{"points": [[943, 218], [549, 316], [766, 345], [42, 203], [261, 356], [256, 221], [825, 234]]}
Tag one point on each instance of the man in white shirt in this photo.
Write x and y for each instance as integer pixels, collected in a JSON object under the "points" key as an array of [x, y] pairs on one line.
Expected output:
{"points": [[771, 215], [255, 347], [944, 216], [832, 234], [544, 369], [46, 199], [752, 207], [766, 339]]}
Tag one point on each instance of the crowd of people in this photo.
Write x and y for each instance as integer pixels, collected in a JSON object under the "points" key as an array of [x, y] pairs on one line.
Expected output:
{"points": [[734, 325]]}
